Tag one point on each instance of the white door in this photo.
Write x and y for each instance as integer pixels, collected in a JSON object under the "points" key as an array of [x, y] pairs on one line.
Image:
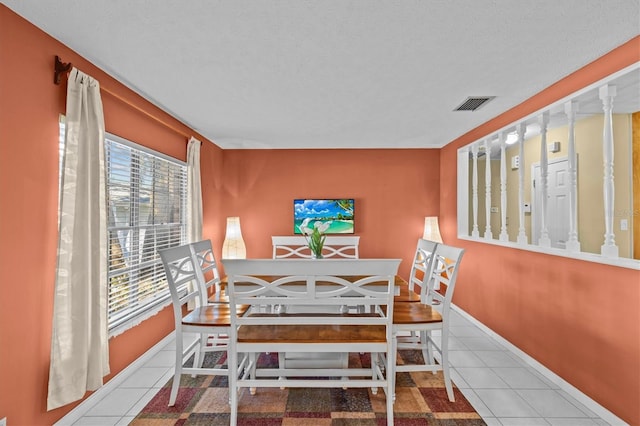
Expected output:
{"points": [[557, 202]]}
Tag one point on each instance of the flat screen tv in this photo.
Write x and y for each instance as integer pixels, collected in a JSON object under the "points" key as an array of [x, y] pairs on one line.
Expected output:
{"points": [[339, 212]]}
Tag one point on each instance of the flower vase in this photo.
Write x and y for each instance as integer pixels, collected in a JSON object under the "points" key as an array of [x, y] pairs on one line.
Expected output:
{"points": [[316, 255]]}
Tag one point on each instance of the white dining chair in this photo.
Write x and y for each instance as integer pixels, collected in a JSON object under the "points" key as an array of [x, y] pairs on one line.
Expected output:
{"points": [[422, 259], [203, 251], [184, 278], [425, 317]]}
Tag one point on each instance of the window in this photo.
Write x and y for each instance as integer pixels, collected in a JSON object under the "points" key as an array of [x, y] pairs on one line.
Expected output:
{"points": [[146, 202], [146, 199]]}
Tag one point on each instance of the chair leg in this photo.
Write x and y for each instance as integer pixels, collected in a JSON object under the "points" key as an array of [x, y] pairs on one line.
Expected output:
{"points": [[178, 370], [199, 354], [392, 359], [446, 372], [281, 363], [391, 380], [253, 361], [427, 348], [233, 385]]}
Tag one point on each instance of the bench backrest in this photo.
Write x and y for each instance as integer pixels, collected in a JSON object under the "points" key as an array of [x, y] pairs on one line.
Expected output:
{"points": [[296, 246], [315, 285]]}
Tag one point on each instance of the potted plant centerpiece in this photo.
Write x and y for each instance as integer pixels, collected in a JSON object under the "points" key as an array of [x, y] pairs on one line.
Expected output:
{"points": [[315, 236]]}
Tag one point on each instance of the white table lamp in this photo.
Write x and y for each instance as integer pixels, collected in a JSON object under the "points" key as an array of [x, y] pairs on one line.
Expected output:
{"points": [[431, 229], [233, 246]]}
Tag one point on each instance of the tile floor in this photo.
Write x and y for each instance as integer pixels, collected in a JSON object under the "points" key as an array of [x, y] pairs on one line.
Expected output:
{"points": [[503, 389]]}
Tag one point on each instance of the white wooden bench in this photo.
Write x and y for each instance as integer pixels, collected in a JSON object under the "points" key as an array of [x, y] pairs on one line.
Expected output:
{"points": [[311, 290]]}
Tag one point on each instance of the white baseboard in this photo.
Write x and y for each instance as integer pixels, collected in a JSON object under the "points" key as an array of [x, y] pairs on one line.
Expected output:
{"points": [[592, 405], [78, 412]]}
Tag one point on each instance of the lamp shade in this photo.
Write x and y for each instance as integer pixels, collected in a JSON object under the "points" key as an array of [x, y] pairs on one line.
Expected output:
{"points": [[431, 229], [233, 246]]}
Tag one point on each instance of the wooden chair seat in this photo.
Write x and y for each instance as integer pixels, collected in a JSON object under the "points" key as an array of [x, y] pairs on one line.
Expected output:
{"points": [[212, 315], [415, 313], [311, 334], [406, 295], [220, 297]]}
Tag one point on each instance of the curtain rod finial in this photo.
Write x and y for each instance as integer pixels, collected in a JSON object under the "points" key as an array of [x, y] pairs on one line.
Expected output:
{"points": [[60, 68]]}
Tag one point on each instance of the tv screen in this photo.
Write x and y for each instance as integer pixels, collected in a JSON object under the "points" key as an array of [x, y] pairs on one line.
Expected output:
{"points": [[339, 213]]}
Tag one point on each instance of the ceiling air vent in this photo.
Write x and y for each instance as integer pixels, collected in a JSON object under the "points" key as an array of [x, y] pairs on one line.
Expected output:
{"points": [[473, 103]]}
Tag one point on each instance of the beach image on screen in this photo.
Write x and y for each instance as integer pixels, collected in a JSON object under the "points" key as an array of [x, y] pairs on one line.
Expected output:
{"points": [[339, 212]]}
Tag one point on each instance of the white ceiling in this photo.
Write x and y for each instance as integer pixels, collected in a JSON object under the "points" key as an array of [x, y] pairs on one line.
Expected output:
{"points": [[335, 73]]}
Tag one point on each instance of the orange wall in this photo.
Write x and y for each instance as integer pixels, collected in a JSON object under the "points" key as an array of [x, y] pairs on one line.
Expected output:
{"points": [[580, 319], [555, 309], [393, 190], [29, 107]]}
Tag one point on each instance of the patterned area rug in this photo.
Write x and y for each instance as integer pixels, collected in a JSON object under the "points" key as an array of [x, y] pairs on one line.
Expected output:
{"points": [[421, 399]]}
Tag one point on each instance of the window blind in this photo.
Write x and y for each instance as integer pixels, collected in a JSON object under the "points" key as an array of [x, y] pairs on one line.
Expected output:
{"points": [[146, 201]]}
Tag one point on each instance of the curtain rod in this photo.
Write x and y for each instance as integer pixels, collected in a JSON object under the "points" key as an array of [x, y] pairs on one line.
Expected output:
{"points": [[63, 68]]}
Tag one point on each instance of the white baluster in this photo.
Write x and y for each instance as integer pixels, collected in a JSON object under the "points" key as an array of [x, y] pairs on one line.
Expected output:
{"points": [[544, 240], [474, 151], [570, 109], [522, 235], [487, 188], [609, 248], [504, 236]]}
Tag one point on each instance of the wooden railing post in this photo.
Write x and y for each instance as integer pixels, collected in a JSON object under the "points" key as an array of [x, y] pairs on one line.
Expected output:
{"points": [[487, 188], [544, 240], [474, 152], [522, 235], [609, 248], [570, 109], [504, 236]]}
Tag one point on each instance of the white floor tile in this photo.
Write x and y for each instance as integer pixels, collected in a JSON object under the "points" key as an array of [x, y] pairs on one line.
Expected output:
{"points": [[491, 421], [520, 378], [465, 359], [476, 403], [117, 403], [454, 343], [125, 421], [466, 331], [549, 403], [458, 320], [98, 421], [480, 344], [145, 377], [571, 422], [165, 378], [577, 403], [505, 403], [162, 359], [142, 402], [481, 378], [458, 380], [523, 421], [498, 359]]}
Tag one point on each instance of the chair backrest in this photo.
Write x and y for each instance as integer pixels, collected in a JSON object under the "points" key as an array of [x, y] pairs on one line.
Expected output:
{"points": [[184, 278], [297, 247], [207, 262], [443, 274], [421, 263], [314, 284]]}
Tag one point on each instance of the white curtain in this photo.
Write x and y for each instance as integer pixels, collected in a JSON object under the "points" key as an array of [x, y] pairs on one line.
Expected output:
{"points": [[194, 199], [194, 192], [79, 343]]}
